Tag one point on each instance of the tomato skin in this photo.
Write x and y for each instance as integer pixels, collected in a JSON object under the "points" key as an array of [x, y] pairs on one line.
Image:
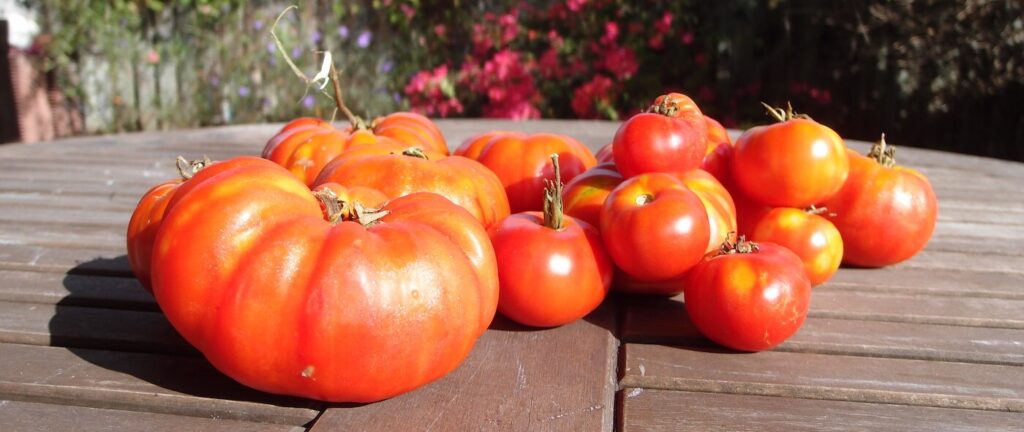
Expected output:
{"points": [[585, 195], [886, 215], [522, 163], [143, 226], [795, 163], [717, 135], [811, 237], [649, 142], [717, 202], [748, 211], [605, 154], [650, 217], [749, 301], [248, 271], [463, 181], [412, 129], [472, 146], [549, 277]]}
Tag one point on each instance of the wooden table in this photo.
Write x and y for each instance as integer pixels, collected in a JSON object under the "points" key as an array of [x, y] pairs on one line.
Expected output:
{"points": [[936, 343]]}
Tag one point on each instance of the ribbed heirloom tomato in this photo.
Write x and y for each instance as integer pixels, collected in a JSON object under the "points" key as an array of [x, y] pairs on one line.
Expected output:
{"points": [[249, 270], [552, 268], [584, 196], [885, 212], [807, 234], [748, 297], [521, 163], [796, 162], [670, 137]]}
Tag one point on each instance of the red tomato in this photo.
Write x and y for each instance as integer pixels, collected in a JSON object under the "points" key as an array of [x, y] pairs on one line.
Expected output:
{"points": [[794, 163], [670, 138], [521, 163], [248, 270], [148, 216], [654, 227], [472, 146], [605, 154], [748, 300], [396, 173], [719, 164], [585, 194], [553, 269], [885, 212], [717, 202], [717, 135], [811, 237]]}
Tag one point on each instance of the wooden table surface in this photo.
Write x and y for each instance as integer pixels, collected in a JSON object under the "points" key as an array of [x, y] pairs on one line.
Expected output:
{"points": [[935, 343]]}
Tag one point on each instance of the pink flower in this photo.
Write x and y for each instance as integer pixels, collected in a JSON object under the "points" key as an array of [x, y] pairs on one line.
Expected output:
{"points": [[611, 33], [509, 27], [152, 57], [549, 65], [507, 83], [440, 30], [621, 62], [575, 5], [594, 98], [408, 11], [431, 93], [664, 25], [656, 42], [687, 38]]}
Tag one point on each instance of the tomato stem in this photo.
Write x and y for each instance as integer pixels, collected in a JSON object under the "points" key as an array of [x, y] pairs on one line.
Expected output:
{"points": [[357, 123], [883, 153], [666, 107], [740, 246], [337, 210], [187, 169], [782, 115], [415, 152], [553, 209]]}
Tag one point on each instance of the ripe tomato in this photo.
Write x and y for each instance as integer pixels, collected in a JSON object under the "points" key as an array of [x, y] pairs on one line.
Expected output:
{"points": [[672, 137], [585, 195], [885, 212], [719, 164], [248, 270], [717, 202], [748, 298], [605, 154], [472, 146], [305, 145], [397, 172], [149, 214], [717, 135], [794, 163], [552, 268], [654, 227], [811, 237], [521, 163]]}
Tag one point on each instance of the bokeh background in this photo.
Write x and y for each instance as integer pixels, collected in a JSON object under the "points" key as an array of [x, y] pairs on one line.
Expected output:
{"points": [[930, 73]]}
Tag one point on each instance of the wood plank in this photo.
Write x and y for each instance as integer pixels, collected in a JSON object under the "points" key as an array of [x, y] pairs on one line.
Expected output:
{"points": [[515, 379], [69, 202], [85, 327], [74, 290], [71, 234], [139, 382], [58, 214], [967, 311], [827, 377], [933, 259], [110, 262], [661, 410], [955, 282], [18, 416]]}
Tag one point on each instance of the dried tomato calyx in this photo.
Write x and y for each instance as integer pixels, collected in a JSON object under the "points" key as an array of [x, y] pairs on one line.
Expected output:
{"points": [[415, 152], [883, 153], [337, 210], [740, 246], [783, 115], [667, 107], [553, 205], [187, 169]]}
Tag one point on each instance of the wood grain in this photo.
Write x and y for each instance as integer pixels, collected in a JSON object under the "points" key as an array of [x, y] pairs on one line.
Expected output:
{"points": [[74, 290]]}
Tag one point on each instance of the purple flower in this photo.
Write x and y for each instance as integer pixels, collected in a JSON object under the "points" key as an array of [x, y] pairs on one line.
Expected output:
{"points": [[316, 37], [257, 25], [307, 101], [386, 66], [243, 91], [397, 97], [271, 48], [343, 31], [296, 53], [364, 39]]}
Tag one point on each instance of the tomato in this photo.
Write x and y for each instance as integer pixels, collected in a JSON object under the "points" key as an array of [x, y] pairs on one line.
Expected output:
{"points": [[811, 237], [305, 145], [717, 135], [748, 298], [672, 137], [794, 163], [248, 269], [521, 163], [397, 172], [885, 212], [605, 154], [472, 146], [345, 197], [552, 268], [719, 164], [717, 202], [148, 216], [654, 227], [584, 196]]}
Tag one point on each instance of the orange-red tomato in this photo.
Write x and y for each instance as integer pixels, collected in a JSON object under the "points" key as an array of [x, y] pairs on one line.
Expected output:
{"points": [[717, 135], [795, 163], [522, 164], [672, 137], [549, 277], [811, 237], [605, 154], [396, 172], [584, 196], [305, 145], [885, 212], [717, 202], [719, 164], [472, 146], [748, 301], [249, 271], [654, 227]]}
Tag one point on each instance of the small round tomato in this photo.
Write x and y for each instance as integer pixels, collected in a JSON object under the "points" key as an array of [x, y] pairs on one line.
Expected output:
{"points": [[886, 213], [671, 137], [794, 163], [654, 227], [748, 297], [811, 237], [553, 269], [585, 194]]}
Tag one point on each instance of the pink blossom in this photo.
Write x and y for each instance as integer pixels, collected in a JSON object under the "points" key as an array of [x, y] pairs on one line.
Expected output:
{"points": [[575, 5], [621, 62], [687, 38], [611, 33], [440, 30], [509, 27], [549, 65], [656, 42], [589, 98], [664, 25], [408, 11], [431, 93]]}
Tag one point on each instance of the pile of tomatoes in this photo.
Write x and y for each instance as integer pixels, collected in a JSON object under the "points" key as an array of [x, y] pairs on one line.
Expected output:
{"points": [[360, 263]]}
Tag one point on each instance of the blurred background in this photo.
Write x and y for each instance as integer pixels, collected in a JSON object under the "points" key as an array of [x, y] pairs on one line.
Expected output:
{"points": [[941, 74]]}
